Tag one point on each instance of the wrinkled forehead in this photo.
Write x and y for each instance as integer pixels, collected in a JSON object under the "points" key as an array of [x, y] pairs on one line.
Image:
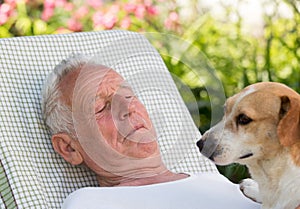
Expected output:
{"points": [[87, 78], [100, 75], [111, 78], [110, 83]]}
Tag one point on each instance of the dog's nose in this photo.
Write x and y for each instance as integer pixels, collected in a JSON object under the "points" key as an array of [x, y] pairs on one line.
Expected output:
{"points": [[200, 144], [209, 155]]}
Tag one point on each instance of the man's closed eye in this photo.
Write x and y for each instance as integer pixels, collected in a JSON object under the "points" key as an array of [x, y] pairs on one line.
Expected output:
{"points": [[105, 106]]}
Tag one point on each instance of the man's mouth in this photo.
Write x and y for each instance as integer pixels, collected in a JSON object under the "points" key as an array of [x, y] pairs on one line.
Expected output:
{"points": [[135, 128], [246, 156]]}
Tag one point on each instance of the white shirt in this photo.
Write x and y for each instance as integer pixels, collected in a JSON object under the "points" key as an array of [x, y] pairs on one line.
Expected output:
{"points": [[202, 191]]}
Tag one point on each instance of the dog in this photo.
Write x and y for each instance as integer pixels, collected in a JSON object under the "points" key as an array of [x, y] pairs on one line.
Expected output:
{"points": [[261, 129]]}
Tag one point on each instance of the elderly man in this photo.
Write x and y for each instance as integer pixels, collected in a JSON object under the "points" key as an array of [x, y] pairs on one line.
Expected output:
{"points": [[97, 121]]}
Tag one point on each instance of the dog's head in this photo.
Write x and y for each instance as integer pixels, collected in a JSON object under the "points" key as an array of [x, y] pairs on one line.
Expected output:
{"points": [[260, 121]]}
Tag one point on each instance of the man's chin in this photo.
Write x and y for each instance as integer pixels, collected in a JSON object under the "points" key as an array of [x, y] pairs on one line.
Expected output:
{"points": [[142, 136]]}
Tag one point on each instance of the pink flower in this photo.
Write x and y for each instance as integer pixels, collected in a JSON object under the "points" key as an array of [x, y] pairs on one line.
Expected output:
{"points": [[97, 18], [74, 25], [168, 24], [114, 9], [47, 13], [5, 12], [152, 10], [109, 20], [49, 4], [172, 20], [5, 8], [173, 16], [3, 18], [148, 3], [12, 3], [125, 23], [69, 6], [129, 7], [95, 3], [140, 11], [60, 3], [81, 12]]}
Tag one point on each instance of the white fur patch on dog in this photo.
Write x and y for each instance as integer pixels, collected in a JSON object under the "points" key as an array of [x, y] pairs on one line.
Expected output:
{"points": [[250, 189]]}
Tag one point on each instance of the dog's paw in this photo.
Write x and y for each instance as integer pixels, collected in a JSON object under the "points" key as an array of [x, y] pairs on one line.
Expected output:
{"points": [[250, 189]]}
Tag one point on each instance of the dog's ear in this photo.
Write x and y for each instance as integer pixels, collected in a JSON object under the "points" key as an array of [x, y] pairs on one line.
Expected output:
{"points": [[288, 129]]}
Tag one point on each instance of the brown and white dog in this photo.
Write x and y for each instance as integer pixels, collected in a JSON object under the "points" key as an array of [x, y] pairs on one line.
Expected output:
{"points": [[261, 129]]}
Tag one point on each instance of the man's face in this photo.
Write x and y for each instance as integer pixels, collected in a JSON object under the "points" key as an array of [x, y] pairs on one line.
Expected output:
{"points": [[122, 119]]}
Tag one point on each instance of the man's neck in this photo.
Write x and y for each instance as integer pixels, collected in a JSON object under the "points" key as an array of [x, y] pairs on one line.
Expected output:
{"points": [[166, 176]]}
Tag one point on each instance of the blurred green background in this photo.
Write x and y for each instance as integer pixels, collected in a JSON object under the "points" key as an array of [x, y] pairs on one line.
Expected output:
{"points": [[241, 42]]}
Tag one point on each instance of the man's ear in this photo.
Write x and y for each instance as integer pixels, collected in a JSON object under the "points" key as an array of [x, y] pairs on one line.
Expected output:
{"points": [[67, 147]]}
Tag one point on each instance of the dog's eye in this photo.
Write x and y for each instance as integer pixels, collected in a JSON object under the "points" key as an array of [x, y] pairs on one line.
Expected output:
{"points": [[243, 119]]}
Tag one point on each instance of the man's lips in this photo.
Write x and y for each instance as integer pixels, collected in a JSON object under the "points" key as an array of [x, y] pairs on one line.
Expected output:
{"points": [[135, 128]]}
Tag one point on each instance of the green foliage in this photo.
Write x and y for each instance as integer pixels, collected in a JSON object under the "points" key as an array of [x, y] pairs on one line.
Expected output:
{"points": [[234, 172]]}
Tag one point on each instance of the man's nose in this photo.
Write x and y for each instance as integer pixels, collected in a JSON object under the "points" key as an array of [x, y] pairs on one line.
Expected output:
{"points": [[127, 107]]}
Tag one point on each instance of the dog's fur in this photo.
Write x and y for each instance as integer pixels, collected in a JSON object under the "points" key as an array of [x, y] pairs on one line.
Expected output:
{"points": [[261, 129]]}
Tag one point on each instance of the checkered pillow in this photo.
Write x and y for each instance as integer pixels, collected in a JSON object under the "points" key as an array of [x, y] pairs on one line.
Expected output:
{"points": [[32, 175]]}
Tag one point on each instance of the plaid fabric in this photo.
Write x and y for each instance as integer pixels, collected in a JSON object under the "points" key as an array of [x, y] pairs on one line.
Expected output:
{"points": [[32, 175]]}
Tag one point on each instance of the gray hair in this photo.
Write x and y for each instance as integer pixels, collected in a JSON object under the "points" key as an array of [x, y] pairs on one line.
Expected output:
{"points": [[56, 113]]}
